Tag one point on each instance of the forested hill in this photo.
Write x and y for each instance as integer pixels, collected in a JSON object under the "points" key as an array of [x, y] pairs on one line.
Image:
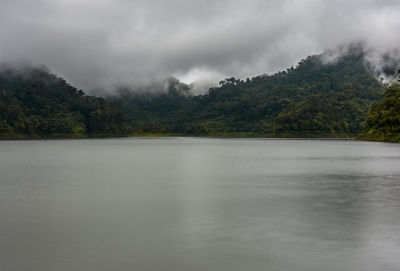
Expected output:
{"points": [[383, 122], [312, 99], [36, 103]]}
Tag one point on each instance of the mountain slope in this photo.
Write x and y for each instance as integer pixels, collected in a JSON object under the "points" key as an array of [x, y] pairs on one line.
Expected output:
{"points": [[36, 103], [313, 98]]}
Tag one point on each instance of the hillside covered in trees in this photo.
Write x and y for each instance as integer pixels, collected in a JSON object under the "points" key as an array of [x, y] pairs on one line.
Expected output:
{"points": [[314, 98], [36, 103], [383, 122]]}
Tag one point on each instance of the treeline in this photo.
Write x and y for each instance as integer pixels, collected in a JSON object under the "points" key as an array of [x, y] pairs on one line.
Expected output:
{"points": [[312, 99], [36, 103]]}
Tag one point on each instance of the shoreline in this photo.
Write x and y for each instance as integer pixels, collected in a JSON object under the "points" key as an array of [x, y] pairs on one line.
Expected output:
{"points": [[377, 139], [155, 135], [222, 135]]}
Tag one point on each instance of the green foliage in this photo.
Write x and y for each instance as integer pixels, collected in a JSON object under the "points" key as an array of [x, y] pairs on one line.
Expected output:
{"points": [[314, 98], [383, 122], [36, 103]]}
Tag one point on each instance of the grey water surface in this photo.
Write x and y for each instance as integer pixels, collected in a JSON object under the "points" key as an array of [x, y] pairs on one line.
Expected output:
{"points": [[174, 204]]}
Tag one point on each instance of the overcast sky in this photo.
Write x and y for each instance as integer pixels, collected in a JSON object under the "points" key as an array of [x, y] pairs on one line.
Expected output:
{"points": [[104, 43]]}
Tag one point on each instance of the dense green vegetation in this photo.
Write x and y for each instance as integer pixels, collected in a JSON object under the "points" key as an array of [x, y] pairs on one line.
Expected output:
{"points": [[383, 122], [312, 99], [36, 103]]}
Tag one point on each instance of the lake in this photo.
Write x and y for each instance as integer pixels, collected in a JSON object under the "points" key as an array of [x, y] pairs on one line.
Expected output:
{"points": [[199, 204]]}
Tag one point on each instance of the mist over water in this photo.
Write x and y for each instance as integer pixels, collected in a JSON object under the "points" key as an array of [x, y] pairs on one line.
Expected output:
{"points": [[199, 204]]}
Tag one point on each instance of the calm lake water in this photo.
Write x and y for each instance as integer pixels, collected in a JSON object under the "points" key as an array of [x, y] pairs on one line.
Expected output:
{"points": [[199, 204]]}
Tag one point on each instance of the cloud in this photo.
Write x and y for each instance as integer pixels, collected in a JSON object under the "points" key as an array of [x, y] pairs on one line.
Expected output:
{"points": [[106, 43]]}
